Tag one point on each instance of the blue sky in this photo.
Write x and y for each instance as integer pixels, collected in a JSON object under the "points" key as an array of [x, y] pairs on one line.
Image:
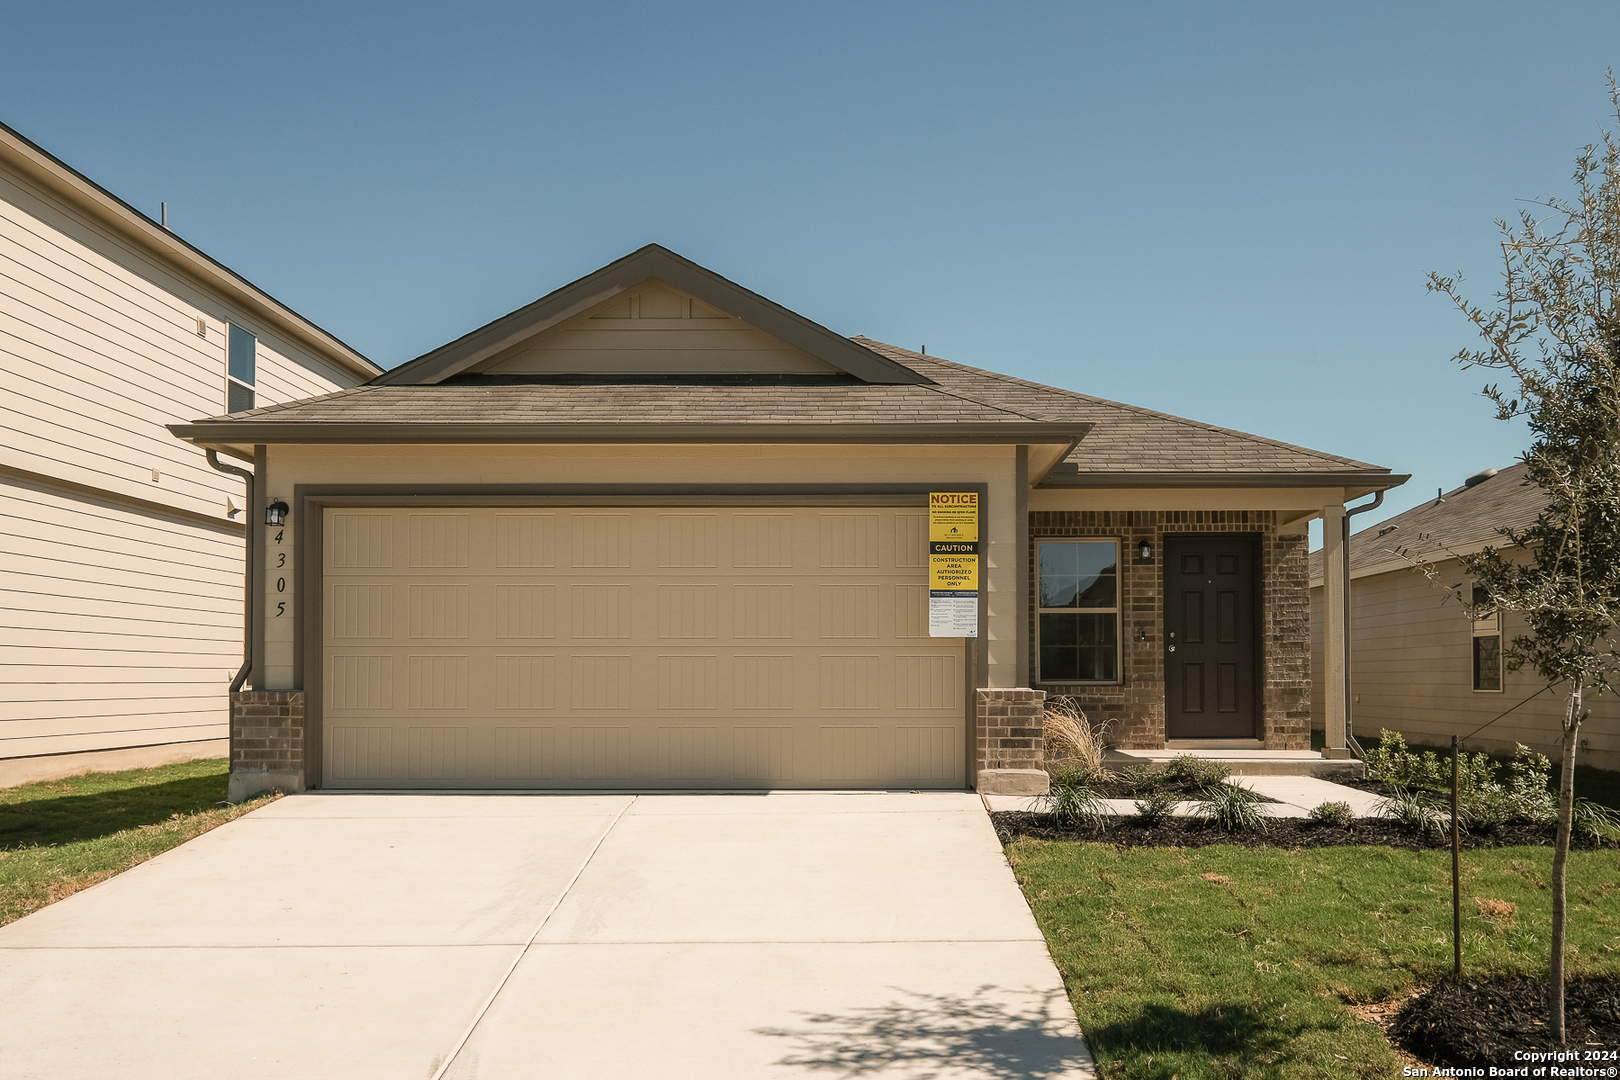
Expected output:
{"points": [[1223, 211]]}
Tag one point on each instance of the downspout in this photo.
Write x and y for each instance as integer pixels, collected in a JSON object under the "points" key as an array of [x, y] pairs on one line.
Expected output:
{"points": [[1344, 550], [247, 589]]}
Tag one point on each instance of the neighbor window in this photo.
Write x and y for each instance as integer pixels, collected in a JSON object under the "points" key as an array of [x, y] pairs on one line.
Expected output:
{"points": [[241, 369], [1078, 590], [1487, 645]]}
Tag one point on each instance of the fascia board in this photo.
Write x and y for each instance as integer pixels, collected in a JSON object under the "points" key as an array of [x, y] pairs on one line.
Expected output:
{"points": [[1354, 483], [244, 433], [1435, 557], [649, 263], [84, 194]]}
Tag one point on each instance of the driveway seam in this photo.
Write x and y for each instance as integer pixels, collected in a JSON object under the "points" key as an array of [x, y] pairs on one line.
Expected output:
{"points": [[461, 1043]]}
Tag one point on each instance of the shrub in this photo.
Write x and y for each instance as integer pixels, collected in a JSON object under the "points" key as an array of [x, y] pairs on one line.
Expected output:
{"points": [[1073, 740], [1393, 763], [1202, 773], [1070, 802], [1597, 821], [1156, 807], [1337, 814], [1411, 810], [1144, 779], [1232, 808]]}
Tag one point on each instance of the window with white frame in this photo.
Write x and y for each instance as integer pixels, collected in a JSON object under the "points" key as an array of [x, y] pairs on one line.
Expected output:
{"points": [[1486, 644], [241, 369], [1077, 584]]}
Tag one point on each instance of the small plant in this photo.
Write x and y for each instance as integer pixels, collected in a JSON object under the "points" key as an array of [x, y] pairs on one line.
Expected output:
{"points": [[1155, 807], [1143, 779], [1232, 808], [1412, 811], [1074, 740], [1336, 814], [1070, 802], [1202, 774], [1597, 821]]}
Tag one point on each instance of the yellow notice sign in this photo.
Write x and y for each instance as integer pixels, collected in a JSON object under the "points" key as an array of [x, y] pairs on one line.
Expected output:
{"points": [[953, 515], [953, 573]]}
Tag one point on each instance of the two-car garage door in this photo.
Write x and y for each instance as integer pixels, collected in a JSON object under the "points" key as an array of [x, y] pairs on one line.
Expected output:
{"points": [[635, 647]]}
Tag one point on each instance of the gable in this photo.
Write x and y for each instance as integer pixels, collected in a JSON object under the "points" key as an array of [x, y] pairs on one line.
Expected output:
{"points": [[653, 328]]}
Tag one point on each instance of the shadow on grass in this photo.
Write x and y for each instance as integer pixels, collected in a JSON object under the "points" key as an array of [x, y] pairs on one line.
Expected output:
{"points": [[71, 818], [996, 1033], [1160, 1034]]}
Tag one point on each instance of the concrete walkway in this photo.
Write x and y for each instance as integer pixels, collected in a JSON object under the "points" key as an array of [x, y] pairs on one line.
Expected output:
{"points": [[1296, 797], [454, 937]]}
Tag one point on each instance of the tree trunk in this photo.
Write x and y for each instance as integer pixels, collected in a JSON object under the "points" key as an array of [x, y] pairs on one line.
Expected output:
{"points": [[1566, 816]]}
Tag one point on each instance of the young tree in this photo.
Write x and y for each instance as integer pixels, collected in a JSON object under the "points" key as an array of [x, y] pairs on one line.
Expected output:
{"points": [[1555, 331]]}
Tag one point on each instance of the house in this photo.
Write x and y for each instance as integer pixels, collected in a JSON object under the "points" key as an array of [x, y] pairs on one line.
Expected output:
{"points": [[1419, 665], [654, 530], [122, 559]]}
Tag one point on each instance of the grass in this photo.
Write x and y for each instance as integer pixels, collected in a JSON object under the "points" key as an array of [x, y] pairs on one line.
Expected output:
{"points": [[1241, 962], [60, 836]]}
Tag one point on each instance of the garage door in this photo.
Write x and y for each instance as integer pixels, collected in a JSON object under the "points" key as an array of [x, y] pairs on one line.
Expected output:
{"points": [[635, 647]]}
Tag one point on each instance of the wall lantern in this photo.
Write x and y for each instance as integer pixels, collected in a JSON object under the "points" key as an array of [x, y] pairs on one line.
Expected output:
{"points": [[1144, 551], [276, 513]]}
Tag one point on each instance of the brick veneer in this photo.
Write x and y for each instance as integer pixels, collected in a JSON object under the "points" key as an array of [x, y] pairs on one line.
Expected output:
{"points": [[1136, 703], [1011, 727], [267, 731]]}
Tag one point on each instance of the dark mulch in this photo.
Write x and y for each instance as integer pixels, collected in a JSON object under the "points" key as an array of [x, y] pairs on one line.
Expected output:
{"points": [[1284, 832], [1479, 1023]]}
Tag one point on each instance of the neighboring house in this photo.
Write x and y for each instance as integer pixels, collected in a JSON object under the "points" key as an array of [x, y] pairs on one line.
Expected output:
{"points": [[1418, 664], [656, 531], [121, 551]]}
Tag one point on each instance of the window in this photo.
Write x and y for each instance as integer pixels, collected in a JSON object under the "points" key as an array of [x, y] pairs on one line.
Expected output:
{"points": [[1078, 587], [241, 369], [1487, 646]]}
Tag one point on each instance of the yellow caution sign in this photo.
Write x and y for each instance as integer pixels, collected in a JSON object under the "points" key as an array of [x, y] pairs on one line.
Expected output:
{"points": [[953, 573]]}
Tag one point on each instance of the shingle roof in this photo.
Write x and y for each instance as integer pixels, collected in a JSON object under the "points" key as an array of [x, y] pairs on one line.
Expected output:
{"points": [[1124, 441], [1463, 518]]}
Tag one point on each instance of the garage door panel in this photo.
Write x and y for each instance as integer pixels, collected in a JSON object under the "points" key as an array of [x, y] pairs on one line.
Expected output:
{"points": [[649, 647]]}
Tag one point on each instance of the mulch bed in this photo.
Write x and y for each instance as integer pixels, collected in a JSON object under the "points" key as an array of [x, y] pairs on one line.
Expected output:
{"points": [[1479, 1023], [1127, 832]]}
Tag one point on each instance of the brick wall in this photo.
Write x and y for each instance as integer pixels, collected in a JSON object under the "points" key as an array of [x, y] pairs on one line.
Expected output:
{"points": [[267, 731], [1011, 729], [1136, 703]]}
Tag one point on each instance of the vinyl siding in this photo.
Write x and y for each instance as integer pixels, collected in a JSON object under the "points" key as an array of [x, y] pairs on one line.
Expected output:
{"points": [[1411, 669], [120, 622], [118, 627]]}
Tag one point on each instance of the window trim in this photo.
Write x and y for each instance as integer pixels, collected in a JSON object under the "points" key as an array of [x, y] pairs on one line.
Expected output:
{"points": [[1115, 611], [1489, 625], [231, 330]]}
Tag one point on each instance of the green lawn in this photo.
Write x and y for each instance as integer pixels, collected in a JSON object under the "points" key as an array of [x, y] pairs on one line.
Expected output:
{"points": [[60, 836], [1236, 962]]}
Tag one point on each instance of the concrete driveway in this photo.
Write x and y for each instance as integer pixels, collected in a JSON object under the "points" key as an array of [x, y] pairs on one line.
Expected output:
{"points": [[455, 937]]}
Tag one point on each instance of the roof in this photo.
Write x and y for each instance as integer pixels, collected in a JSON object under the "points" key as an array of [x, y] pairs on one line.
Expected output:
{"points": [[1462, 520], [873, 393], [67, 183]]}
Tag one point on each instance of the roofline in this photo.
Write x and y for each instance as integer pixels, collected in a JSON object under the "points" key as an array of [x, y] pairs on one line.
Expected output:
{"points": [[40, 165], [621, 275], [243, 432], [1380, 480]]}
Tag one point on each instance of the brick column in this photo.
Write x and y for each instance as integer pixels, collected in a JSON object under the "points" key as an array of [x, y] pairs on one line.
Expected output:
{"points": [[267, 742], [1011, 731]]}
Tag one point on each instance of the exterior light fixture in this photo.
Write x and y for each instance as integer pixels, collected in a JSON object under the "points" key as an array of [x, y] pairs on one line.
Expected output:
{"points": [[1144, 551], [276, 513]]}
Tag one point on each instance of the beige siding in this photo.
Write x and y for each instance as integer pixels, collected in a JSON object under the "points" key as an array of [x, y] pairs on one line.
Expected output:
{"points": [[118, 627], [122, 623], [654, 329], [1411, 672]]}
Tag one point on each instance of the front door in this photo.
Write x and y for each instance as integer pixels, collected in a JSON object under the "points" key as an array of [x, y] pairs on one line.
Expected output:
{"points": [[1210, 662]]}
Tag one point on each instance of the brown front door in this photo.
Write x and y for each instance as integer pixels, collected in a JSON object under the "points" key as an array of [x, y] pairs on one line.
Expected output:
{"points": [[1210, 660]]}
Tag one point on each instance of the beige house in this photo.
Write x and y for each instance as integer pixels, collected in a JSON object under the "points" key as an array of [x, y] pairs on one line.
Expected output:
{"points": [[656, 531], [1419, 665], [121, 563]]}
